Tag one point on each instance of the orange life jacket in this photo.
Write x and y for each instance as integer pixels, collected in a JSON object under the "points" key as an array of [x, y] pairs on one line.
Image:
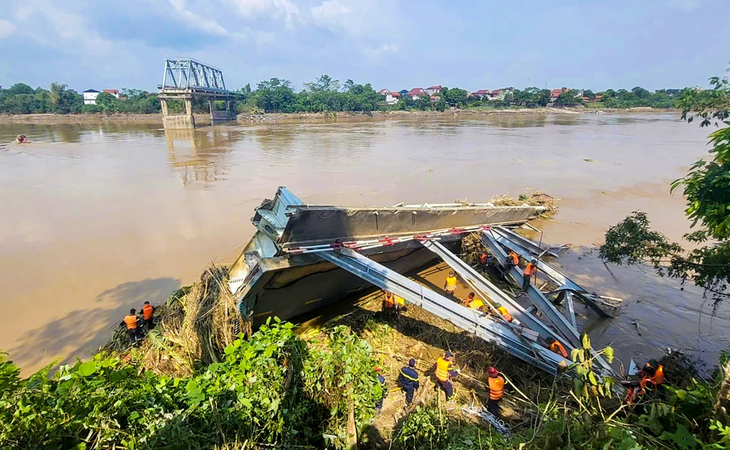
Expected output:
{"points": [[389, 300], [130, 321], [658, 377], [442, 369], [483, 258], [507, 316], [148, 310], [451, 282], [558, 348], [514, 258], [530, 270], [496, 387]]}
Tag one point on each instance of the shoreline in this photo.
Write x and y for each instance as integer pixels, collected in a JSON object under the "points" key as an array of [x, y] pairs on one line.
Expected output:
{"points": [[245, 118]]}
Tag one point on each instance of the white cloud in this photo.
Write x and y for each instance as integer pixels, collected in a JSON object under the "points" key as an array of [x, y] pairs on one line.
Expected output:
{"points": [[194, 20], [275, 8], [383, 49], [6, 28], [329, 9]]}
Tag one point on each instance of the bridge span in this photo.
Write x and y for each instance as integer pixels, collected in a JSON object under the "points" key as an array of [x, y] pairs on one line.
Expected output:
{"points": [[185, 78]]}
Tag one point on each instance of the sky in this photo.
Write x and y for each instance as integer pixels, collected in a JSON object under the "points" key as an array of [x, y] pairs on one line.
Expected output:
{"points": [[394, 44]]}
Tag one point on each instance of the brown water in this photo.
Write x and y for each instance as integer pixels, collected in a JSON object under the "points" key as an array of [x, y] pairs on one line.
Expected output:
{"points": [[95, 219]]}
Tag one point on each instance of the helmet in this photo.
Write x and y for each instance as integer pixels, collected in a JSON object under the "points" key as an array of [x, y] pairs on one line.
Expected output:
{"points": [[378, 369], [448, 354], [492, 372]]}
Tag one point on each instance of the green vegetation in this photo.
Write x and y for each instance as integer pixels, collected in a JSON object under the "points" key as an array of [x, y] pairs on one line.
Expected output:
{"points": [[324, 95]]}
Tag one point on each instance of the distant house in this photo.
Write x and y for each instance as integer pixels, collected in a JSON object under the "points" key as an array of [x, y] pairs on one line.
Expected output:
{"points": [[391, 98], [416, 92], [499, 94], [113, 92], [481, 93], [555, 93], [90, 96], [433, 90]]}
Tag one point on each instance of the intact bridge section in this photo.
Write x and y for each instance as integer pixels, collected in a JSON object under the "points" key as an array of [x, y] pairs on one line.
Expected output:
{"points": [[185, 78]]}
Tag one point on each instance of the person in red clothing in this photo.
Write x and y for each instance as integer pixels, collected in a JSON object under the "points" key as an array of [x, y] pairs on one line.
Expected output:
{"points": [[556, 347]]}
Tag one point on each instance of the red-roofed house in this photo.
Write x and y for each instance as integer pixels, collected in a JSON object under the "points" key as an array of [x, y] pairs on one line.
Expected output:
{"points": [[555, 93], [391, 98], [481, 93], [114, 92], [416, 92], [500, 94], [433, 90]]}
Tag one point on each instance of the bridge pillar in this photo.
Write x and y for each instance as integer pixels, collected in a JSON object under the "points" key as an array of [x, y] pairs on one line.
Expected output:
{"points": [[178, 121]]}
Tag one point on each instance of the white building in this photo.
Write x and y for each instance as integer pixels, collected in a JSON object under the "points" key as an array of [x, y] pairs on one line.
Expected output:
{"points": [[90, 96], [391, 98]]}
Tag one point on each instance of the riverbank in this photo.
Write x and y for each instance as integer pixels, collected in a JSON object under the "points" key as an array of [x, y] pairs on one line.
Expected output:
{"points": [[203, 119]]}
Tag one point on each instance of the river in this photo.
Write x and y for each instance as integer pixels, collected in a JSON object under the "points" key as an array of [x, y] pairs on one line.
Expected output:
{"points": [[95, 219]]}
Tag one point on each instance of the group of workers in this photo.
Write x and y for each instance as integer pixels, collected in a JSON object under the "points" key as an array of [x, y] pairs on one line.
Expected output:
{"points": [[444, 372], [136, 324], [651, 378]]}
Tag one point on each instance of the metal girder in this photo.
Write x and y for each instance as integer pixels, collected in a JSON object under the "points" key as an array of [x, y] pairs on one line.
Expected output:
{"points": [[187, 73], [461, 316], [526, 243], [536, 297], [571, 308], [467, 273], [558, 278]]}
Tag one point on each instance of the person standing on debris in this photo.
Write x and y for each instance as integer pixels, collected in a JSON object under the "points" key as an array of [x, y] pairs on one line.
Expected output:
{"points": [[496, 385], [444, 373], [530, 270], [148, 315], [381, 381], [408, 380], [503, 311], [483, 261], [400, 304], [130, 321], [512, 260], [389, 303], [556, 347], [450, 285]]}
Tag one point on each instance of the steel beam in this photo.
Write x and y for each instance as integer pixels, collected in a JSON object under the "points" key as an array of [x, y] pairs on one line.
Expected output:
{"points": [[461, 316], [571, 308], [536, 297], [467, 273], [526, 243], [557, 277]]}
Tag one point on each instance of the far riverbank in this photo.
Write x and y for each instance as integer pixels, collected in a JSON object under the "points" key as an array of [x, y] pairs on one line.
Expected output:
{"points": [[203, 119]]}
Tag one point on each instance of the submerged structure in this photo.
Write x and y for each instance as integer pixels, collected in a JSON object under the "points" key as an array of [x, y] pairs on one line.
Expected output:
{"points": [[303, 257]]}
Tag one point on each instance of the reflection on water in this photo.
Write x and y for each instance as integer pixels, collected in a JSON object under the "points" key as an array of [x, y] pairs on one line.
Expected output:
{"points": [[90, 207]]}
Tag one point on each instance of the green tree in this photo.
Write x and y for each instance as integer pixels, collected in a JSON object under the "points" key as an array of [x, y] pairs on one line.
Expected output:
{"points": [[274, 95], [454, 97], [107, 103], [567, 98]]}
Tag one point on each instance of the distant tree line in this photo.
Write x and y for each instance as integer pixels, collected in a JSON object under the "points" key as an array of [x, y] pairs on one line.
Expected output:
{"points": [[322, 95]]}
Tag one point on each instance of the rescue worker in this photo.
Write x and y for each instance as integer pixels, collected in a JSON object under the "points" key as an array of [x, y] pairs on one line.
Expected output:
{"points": [[381, 380], [483, 261], [474, 303], [502, 310], [408, 380], [444, 373], [400, 304], [130, 321], [512, 260], [496, 385], [148, 315], [556, 347], [389, 303], [530, 270], [658, 378], [21, 139], [450, 285]]}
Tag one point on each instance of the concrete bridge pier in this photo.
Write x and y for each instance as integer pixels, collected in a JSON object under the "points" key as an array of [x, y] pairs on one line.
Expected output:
{"points": [[178, 121], [223, 115]]}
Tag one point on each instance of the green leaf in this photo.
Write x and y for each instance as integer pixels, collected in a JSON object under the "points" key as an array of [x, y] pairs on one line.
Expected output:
{"points": [[608, 352], [586, 342], [592, 378], [87, 368]]}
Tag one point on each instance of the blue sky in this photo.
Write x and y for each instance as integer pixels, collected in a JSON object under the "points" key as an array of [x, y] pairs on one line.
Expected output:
{"points": [[394, 44]]}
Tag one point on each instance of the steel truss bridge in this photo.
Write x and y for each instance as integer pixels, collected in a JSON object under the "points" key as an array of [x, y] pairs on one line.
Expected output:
{"points": [[185, 78]]}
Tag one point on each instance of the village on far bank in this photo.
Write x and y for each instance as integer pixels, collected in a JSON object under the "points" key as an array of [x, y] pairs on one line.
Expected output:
{"points": [[501, 95]]}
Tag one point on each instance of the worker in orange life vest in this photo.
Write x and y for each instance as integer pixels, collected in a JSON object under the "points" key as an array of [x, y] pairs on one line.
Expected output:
{"points": [[503, 311], [512, 260], [530, 270], [130, 321], [388, 302], [444, 373], [483, 260], [556, 347], [148, 315], [450, 285], [496, 384]]}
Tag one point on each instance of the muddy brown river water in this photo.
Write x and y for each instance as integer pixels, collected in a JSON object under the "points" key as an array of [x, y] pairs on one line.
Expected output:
{"points": [[95, 219]]}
